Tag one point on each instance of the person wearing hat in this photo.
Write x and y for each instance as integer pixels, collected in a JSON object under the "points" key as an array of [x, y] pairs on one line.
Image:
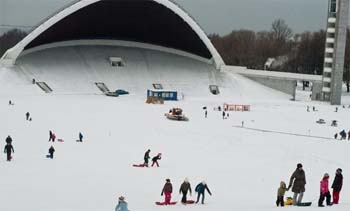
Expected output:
{"points": [[200, 189], [167, 190], [122, 204], [156, 158], [184, 188], [337, 185], [324, 191], [298, 181]]}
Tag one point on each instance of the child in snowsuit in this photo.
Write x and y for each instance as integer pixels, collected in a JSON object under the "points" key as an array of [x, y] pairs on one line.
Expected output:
{"points": [[146, 157], [8, 149], [122, 204], [324, 191], [200, 189], [51, 151], [337, 185], [156, 158], [280, 194], [167, 190], [184, 188]]}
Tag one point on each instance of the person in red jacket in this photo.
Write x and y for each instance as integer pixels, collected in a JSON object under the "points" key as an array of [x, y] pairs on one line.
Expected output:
{"points": [[324, 191], [167, 190]]}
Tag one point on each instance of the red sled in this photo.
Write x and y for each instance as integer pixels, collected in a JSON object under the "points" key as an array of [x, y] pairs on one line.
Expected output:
{"points": [[139, 165], [190, 202], [163, 203]]}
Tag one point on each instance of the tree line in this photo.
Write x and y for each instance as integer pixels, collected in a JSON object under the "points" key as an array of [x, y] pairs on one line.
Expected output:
{"points": [[297, 53], [10, 39]]}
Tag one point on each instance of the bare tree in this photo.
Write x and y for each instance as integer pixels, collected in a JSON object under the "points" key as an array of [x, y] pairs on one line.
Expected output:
{"points": [[281, 31]]}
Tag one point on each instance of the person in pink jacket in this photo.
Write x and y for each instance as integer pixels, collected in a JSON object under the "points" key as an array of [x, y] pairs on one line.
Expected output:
{"points": [[324, 191]]}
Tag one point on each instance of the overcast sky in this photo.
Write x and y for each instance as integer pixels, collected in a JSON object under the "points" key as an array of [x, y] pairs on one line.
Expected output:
{"points": [[215, 16]]}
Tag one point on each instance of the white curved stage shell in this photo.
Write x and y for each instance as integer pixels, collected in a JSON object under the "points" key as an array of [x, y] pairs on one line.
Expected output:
{"points": [[11, 56]]}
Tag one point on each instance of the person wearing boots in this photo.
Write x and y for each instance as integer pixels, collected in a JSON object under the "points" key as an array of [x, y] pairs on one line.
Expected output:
{"points": [[298, 181], [167, 190], [184, 189], [337, 185], [8, 150], [200, 189], [324, 191]]}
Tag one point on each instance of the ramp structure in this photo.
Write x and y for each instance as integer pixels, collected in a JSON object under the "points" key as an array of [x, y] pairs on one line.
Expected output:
{"points": [[102, 86], [44, 87]]}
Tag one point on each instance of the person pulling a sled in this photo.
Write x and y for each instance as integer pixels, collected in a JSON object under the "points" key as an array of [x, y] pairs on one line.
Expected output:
{"points": [[156, 158], [167, 190], [184, 189], [122, 204], [200, 189], [298, 181], [146, 157]]}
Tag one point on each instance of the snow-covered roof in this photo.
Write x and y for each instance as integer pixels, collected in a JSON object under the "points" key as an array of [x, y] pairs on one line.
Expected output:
{"points": [[52, 30]]}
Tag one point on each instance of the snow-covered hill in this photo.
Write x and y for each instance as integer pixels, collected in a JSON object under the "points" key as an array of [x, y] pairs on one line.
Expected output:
{"points": [[242, 166]]}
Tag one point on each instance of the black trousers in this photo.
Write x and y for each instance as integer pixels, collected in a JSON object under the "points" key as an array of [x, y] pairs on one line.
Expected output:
{"points": [[8, 156], [198, 196], [280, 201], [51, 155], [184, 197], [325, 195]]}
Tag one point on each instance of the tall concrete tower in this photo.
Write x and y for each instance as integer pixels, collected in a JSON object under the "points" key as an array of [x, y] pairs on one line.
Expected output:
{"points": [[337, 23]]}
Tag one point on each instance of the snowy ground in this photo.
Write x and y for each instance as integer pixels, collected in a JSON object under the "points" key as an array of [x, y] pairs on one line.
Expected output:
{"points": [[242, 166]]}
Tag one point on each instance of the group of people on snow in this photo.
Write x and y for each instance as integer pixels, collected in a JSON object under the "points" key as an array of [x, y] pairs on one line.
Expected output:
{"points": [[342, 135], [154, 159], [298, 181], [185, 188]]}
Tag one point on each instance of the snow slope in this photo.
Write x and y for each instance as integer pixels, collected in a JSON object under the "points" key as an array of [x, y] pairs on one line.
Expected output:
{"points": [[242, 166]]}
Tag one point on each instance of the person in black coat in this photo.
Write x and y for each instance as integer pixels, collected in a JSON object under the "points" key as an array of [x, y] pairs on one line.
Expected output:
{"points": [[51, 151], [337, 185], [8, 140], [146, 157], [8, 150]]}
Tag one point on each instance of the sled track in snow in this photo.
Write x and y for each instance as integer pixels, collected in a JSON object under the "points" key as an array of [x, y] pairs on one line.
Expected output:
{"points": [[284, 133]]}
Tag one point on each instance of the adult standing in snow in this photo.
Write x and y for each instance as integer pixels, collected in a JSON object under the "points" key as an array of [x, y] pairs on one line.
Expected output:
{"points": [[146, 157], [167, 190], [206, 113], [324, 191], [156, 158], [8, 150], [27, 116], [122, 204], [337, 185], [80, 137], [8, 140], [51, 136], [51, 151], [200, 189], [298, 181], [184, 189], [223, 114]]}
